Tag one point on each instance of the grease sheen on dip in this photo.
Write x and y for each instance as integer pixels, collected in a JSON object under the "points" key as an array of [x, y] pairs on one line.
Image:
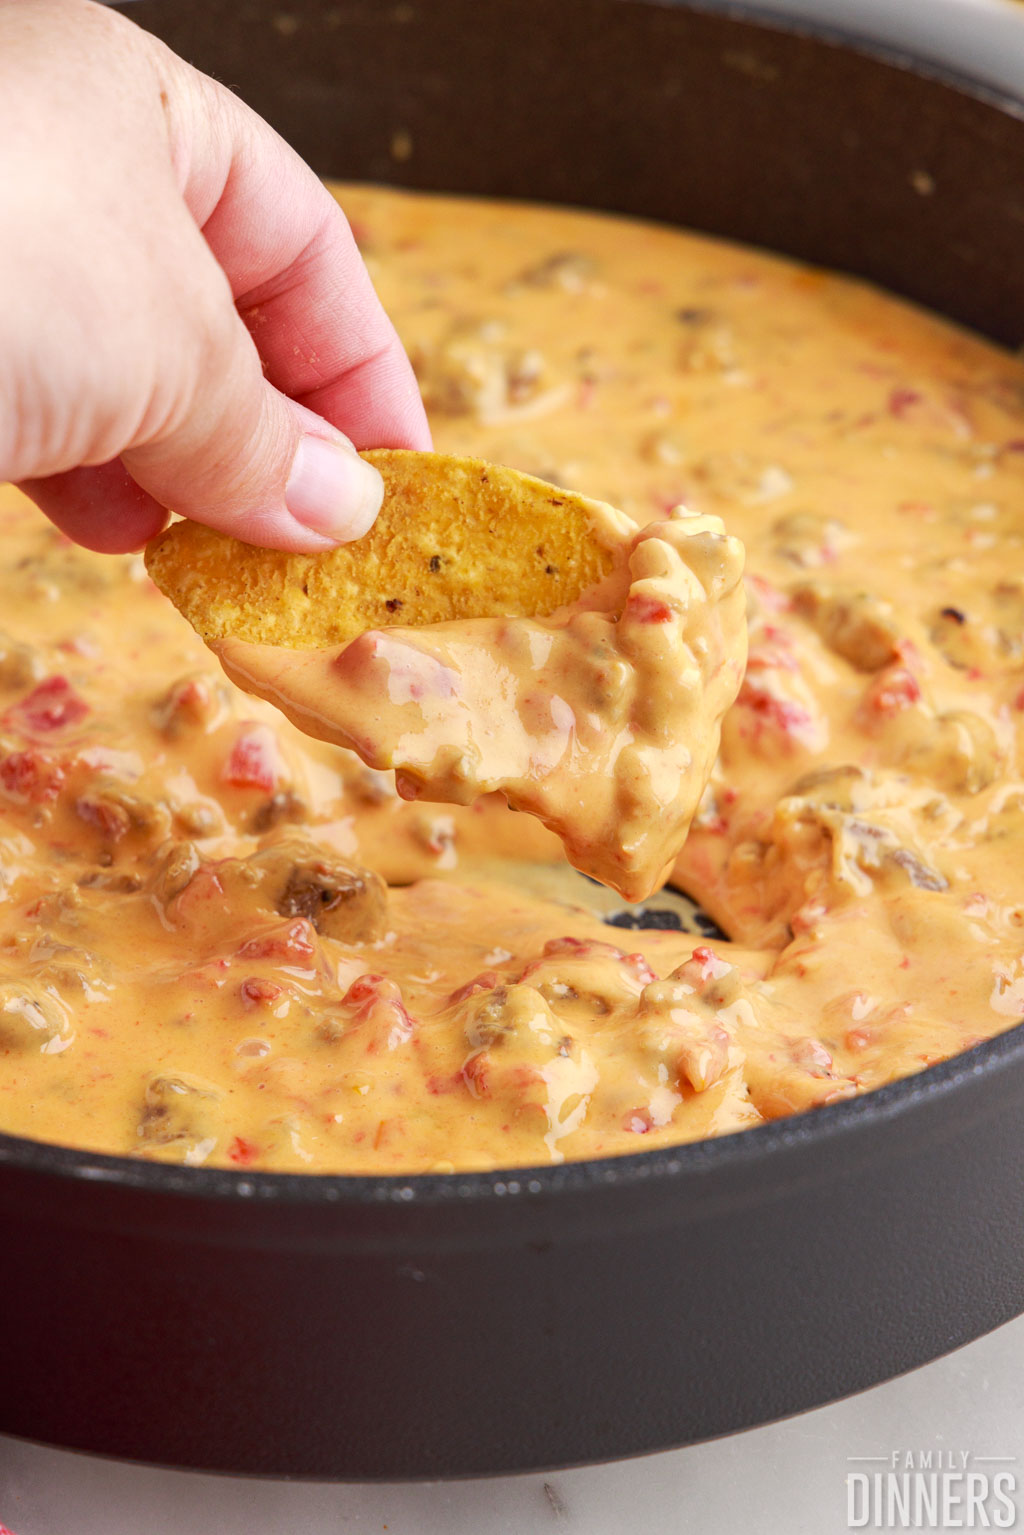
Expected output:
{"points": [[192, 965]]}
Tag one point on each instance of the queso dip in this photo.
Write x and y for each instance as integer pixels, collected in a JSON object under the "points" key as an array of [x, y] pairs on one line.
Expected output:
{"points": [[222, 942]]}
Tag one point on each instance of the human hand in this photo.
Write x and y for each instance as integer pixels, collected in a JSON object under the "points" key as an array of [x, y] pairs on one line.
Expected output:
{"points": [[186, 322]]}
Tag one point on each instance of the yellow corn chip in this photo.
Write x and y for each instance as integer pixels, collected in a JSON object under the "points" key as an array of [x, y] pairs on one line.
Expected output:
{"points": [[456, 538]]}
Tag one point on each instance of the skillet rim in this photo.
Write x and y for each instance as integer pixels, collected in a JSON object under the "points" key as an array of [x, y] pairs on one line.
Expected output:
{"points": [[692, 1159], [892, 54]]}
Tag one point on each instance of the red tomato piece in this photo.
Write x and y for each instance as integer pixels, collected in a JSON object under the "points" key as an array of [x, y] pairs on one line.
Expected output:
{"points": [[892, 690], [296, 941], [242, 1151], [648, 610], [486, 981], [255, 762], [902, 401], [256, 991], [52, 705], [31, 775]]}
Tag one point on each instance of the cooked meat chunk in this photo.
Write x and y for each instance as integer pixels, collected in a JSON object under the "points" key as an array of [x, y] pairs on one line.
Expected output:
{"points": [[855, 625], [340, 899], [181, 1118], [32, 1017]]}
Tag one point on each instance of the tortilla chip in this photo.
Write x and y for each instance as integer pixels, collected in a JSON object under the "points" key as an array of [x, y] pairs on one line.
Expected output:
{"points": [[456, 538]]}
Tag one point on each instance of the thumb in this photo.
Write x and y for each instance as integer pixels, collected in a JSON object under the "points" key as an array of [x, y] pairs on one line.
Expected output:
{"points": [[235, 454], [240, 456]]}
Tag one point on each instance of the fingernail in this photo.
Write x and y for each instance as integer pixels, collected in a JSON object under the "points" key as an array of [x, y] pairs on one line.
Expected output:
{"points": [[333, 491]]}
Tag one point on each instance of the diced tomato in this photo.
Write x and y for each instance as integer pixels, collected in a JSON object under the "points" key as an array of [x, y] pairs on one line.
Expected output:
{"points": [[404, 674], [812, 1055], [474, 1074], [707, 963], [191, 701], [587, 949], [894, 689], [292, 942], [367, 988], [901, 402], [486, 981], [257, 991], [31, 775], [439, 1085], [193, 901], [378, 1001], [52, 705], [648, 610], [785, 715], [566, 945], [582, 948], [111, 820], [640, 968], [255, 761], [243, 1152]]}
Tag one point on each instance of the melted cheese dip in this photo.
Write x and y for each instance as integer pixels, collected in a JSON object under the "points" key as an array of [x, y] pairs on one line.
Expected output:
{"points": [[602, 719], [222, 942]]}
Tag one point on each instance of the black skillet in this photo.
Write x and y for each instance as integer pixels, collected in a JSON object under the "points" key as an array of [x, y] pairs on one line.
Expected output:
{"points": [[452, 1325]]}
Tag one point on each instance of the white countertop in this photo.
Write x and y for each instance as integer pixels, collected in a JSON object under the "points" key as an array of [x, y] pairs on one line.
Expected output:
{"points": [[787, 1479]]}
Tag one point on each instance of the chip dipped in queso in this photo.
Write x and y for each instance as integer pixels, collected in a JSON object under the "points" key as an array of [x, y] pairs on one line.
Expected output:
{"points": [[225, 943]]}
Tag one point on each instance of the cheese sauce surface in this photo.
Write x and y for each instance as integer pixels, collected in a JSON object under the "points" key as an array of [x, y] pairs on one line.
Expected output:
{"points": [[223, 942], [602, 719]]}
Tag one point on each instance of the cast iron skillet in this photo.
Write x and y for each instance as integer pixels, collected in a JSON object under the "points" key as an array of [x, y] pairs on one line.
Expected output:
{"points": [[452, 1325]]}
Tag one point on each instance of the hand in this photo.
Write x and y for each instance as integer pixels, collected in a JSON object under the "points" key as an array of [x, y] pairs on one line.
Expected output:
{"points": [[186, 322]]}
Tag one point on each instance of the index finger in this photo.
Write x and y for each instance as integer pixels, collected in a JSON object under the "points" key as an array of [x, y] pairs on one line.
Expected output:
{"points": [[296, 273]]}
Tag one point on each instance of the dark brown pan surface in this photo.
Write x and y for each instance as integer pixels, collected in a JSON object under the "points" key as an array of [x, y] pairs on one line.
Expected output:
{"points": [[663, 110]]}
